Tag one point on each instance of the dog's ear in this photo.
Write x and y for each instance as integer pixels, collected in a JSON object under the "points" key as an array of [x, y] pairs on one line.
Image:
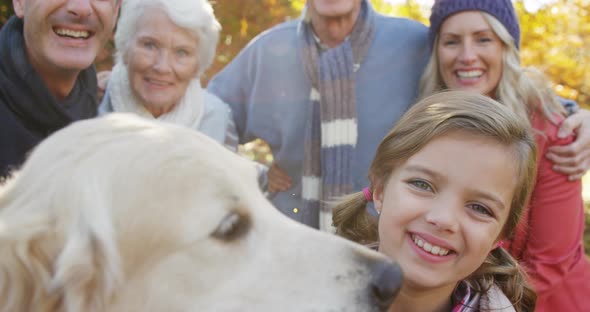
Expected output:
{"points": [[87, 273], [63, 262], [46, 267], [88, 268], [25, 267]]}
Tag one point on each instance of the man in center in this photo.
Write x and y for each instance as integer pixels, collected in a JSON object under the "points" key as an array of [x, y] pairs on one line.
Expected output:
{"points": [[361, 66]]}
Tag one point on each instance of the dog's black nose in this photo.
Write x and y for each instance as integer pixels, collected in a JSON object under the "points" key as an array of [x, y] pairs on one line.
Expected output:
{"points": [[385, 283]]}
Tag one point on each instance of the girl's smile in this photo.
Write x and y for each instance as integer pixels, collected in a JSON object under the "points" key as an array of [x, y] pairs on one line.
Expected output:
{"points": [[430, 250], [439, 218]]}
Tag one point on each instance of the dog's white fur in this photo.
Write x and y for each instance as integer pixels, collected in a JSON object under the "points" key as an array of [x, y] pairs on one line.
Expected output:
{"points": [[122, 214]]}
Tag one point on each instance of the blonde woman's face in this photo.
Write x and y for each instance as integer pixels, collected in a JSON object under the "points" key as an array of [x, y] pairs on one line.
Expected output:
{"points": [[469, 54], [442, 211], [162, 61]]}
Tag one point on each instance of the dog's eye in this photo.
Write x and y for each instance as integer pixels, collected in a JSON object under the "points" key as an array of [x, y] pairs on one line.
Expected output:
{"points": [[233, 226]]}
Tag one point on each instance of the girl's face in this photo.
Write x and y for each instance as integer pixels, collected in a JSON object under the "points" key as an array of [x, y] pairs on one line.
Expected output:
{"points": [[443, 210], [469, 54]]}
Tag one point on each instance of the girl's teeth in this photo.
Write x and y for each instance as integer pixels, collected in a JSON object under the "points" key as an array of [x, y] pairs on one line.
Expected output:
{"points": [[435, 250]]}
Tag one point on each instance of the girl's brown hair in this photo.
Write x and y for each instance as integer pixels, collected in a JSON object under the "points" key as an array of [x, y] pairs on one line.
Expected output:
{"points": [[428, 119]]}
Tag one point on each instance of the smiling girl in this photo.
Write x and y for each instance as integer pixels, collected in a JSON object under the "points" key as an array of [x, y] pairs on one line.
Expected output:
{"points": [[449, 183], [475, 48]]}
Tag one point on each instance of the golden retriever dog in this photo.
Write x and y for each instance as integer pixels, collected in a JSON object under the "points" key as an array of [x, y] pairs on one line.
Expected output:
{"points": [[123, 214]]}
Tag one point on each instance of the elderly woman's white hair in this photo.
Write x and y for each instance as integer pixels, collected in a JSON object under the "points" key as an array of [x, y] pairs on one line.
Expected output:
{"points": [[195, 15]]}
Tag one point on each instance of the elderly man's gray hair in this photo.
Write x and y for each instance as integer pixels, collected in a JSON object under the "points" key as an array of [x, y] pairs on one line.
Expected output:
{"points": [[195, 15]]}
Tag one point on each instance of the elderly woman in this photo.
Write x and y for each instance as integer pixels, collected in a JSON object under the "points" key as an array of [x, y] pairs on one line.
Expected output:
{"points": [[163, 48], [475, 48]]}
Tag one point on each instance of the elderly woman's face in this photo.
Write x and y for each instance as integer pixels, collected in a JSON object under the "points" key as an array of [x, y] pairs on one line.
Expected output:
{"points": [[162, 60]]}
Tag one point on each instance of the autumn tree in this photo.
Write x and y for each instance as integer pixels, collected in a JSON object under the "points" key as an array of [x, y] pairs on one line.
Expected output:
{"points": [[243, 20], [556, 39], [5, 11]]}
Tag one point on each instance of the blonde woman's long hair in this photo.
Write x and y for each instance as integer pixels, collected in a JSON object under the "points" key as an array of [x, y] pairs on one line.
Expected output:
{"points": [[433, 117], [524, 90]]}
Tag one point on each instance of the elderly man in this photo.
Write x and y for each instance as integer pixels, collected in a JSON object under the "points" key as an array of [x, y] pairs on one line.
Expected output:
{"points": [[47, 79], [323, 91]]}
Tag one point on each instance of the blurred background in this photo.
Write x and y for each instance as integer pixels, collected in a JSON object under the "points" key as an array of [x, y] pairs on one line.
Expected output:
{"points": [[555, 34], [555, 39]]}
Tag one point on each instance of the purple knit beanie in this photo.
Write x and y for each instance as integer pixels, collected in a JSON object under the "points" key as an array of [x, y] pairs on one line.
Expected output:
{"points": [[503, 10]]}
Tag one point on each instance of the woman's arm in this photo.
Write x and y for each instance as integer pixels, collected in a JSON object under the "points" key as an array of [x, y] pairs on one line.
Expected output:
{"points": [[556, 220], [573, 159]]}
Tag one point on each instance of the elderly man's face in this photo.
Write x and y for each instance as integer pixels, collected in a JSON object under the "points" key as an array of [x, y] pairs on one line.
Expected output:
{"points": [[334, 8], [65, 35]]}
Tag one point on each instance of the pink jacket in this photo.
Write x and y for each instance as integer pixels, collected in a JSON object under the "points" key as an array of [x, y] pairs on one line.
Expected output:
{"points": [[548, 242]]}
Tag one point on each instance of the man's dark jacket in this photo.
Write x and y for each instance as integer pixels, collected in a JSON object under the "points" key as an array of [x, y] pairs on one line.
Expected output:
{"points": [[28, 111]]}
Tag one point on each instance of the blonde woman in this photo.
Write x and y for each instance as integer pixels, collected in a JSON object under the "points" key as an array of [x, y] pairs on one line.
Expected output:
{"points": [[443, 212], [475, 48]]}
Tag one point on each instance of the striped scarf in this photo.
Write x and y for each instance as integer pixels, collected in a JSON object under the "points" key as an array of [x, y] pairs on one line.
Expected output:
{"points": [[331, 131]]}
